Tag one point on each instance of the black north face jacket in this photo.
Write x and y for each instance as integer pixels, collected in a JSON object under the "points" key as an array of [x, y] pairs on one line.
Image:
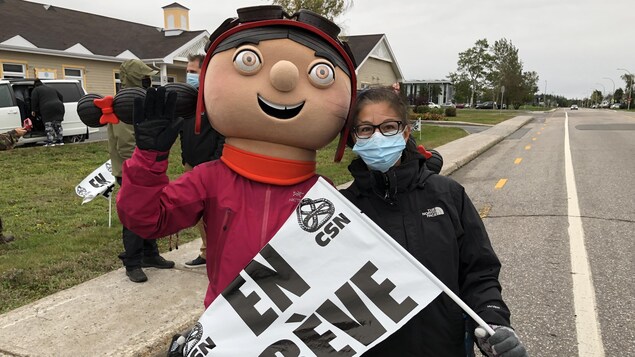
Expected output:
{"points": [[432, 217]]}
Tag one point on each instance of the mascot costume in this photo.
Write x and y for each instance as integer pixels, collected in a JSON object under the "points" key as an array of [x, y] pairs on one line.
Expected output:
{"points": [[279, 88]]}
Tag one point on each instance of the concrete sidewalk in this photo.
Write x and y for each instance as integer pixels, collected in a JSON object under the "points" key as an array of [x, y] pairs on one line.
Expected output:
{"points": [[111, 316]]}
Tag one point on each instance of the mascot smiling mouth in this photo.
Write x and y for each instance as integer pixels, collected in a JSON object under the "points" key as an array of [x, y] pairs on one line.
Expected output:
{"points": [[280, 111]]}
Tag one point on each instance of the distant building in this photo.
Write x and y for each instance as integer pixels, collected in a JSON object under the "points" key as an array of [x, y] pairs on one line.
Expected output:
{"points": [[50, 42], [415, 89], [376, 63]]}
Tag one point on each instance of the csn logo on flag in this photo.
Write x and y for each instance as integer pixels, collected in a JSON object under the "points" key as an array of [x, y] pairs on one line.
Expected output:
{"points": [[315, 214], [99, 182]]}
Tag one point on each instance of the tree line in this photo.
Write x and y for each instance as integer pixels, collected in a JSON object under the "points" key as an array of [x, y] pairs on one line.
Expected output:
{"points": [[482, 70], [493, 72]]}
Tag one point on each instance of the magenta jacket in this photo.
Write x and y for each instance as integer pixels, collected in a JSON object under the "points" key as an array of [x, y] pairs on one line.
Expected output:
{"points": [[240, 215]]}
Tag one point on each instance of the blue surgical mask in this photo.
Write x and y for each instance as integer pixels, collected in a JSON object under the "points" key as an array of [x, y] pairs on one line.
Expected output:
{"points": [[192, 79], [380, 152]]}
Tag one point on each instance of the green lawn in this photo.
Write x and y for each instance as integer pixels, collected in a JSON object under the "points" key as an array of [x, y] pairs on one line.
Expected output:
{"points": [[484, 116], [60, 242]]}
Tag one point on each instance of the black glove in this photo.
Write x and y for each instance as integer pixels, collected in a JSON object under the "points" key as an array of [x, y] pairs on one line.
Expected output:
{"points": [[504, 342], [155, 125]]}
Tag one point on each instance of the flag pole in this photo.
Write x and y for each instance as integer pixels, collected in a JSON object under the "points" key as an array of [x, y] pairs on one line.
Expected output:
{"points": [[417, 264], [110, 211]]}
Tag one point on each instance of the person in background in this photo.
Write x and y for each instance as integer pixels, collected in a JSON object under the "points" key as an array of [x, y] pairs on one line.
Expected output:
{"points": [[138, 252], [432, 217], [10, 138], [48, 104], [7, 142], [198, 148]]}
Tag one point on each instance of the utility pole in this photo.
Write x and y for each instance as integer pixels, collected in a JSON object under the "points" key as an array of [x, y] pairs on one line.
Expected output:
{"points": [[630, 95], [613, 93], [544, 95]]}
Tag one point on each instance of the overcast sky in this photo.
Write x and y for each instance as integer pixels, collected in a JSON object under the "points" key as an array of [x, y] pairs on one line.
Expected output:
{"points": [[572, 44]]}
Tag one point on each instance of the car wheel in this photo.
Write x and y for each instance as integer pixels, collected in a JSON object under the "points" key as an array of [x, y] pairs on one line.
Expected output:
{"points": [[75, 138]]}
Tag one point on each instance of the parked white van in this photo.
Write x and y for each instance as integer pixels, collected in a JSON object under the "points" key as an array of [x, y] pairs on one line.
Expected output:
{"points": [[15, 106]]}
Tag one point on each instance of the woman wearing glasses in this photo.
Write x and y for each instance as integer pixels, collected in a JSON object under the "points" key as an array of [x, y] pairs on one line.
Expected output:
{"points": [[433, 219]]}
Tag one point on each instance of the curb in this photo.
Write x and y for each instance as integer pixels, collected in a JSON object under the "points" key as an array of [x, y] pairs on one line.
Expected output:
{"points": [[455, 154]]}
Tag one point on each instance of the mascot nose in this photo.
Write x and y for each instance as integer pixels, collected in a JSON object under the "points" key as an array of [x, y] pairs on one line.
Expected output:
{"points": [[284, 76]]}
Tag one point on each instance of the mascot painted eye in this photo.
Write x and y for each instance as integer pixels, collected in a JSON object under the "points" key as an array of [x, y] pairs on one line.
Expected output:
{"points": [[322, 74], [247, 60]]}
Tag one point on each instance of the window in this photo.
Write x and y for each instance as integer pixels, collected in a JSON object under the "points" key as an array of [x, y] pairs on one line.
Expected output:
{"points": [[71, 92], [117, 82], [156, 80], [183, 22], [13, 70], [74, 73], [5, 96]]}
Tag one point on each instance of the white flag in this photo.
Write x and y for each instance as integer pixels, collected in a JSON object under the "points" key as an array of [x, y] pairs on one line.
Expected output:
{"points": [[330, 281], [99, 182]]}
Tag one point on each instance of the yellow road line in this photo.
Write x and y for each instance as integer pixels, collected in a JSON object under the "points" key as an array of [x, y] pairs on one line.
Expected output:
{"points": [[484, 212], [500, 183], [534, 139], [518, 160], [528, 147]]}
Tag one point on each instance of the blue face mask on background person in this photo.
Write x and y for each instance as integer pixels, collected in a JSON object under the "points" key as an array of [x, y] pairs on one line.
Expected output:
{"points": [[380, 152], [192, 79]]}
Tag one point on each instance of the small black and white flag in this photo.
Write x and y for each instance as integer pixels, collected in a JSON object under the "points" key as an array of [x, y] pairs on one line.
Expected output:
{"points": [[99, 182]]}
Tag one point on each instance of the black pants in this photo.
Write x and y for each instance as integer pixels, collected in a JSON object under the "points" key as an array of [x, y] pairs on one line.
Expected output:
{"points": [[135, 247]]}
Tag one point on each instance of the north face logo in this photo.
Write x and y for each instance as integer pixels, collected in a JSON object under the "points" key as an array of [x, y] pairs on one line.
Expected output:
{"points": [[433, 212]]}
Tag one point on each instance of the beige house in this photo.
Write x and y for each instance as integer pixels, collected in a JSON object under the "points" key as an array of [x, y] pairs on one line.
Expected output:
{"points": [[376, 63], [49, 42]]}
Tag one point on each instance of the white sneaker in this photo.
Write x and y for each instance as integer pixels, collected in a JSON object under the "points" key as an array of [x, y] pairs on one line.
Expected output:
{"points": [[49, 145], [60, 144]]}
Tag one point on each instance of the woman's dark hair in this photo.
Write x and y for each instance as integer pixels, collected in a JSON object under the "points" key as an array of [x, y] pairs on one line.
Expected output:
{"points": [[396, 102]]}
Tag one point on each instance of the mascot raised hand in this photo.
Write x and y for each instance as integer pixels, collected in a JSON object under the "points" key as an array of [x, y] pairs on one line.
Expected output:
{"points": [[278, 87]]}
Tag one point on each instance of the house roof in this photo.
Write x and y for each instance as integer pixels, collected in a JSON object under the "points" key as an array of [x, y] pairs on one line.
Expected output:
{"points": [[376, 46], [362, 45], [175, 4], [56, 28]]}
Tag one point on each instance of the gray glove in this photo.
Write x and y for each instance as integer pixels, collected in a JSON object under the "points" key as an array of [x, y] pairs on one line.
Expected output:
{"points": [[504, 342]]}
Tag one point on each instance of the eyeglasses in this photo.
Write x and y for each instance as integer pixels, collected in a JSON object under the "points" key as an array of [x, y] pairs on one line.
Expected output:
{"points": [[387, 128]]}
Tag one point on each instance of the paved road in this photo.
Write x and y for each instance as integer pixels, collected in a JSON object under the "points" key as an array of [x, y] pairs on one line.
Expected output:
{"points": [[99, 136], [534, 227]]}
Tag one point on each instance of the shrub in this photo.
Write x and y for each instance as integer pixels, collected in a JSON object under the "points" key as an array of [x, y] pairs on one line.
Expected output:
{"points": [[433, 116], [413, 116], [422, 109], [450, 112]]}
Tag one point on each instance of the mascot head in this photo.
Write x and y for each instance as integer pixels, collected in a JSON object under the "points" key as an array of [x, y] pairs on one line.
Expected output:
{"points": [[277, 84]]}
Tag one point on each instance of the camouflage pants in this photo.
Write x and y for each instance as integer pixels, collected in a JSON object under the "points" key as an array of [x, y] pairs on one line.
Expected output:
{"points": [[54, 132]]}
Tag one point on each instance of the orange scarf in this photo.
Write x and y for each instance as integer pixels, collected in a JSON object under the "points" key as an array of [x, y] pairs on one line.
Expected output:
{"points": [[267, 169]]}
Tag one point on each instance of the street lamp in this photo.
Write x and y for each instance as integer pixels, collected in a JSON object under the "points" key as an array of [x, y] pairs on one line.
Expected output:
{"points": [[612, 95], [631, 87], [603, 90]]}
